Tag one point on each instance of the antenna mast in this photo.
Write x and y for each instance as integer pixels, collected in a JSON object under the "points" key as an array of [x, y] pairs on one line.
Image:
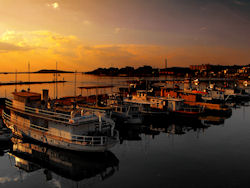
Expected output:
{"points": [[166, 63]]}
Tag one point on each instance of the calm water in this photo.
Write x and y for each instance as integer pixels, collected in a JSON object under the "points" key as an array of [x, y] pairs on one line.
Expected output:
{"points": [[64, 89], [169, 153]]}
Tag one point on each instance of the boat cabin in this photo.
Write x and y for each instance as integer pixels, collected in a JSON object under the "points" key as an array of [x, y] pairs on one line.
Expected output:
{"points": [[175, 104], [165, 103], [217, 95], [140, 95], [26, 98], [128, 109]]}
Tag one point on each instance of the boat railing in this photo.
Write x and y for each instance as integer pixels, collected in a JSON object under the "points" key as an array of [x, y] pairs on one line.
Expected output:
{"points": [[26, 124], [64, 118], [41, 112], [93, 140], [76, 139], [89, 140], [192, 109]]}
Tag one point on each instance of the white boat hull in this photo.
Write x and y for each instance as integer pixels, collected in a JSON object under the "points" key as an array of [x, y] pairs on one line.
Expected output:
{"points": [[57, 142]]}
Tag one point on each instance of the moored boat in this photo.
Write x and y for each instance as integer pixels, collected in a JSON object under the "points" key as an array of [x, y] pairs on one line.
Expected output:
{"points": [[79, 130], [165, 105], [125, 113]]}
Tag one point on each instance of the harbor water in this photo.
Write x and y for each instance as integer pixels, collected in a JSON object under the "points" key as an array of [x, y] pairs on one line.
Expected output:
{"points": [[212, 152]]}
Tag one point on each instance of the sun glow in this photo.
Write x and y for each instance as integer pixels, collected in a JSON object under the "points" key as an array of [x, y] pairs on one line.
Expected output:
{"points": [[54, 5]]}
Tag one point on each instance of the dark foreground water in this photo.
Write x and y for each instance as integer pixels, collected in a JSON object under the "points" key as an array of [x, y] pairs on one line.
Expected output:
{"points": [[167, 153]]}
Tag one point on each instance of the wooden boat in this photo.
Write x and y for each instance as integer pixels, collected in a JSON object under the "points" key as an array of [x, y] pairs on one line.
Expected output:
{"points": [[80, 130], [212, 108]]}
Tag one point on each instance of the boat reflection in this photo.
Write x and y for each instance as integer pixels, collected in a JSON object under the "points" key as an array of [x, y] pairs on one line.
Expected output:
{"points": [[5, 146], [75, 166], [178, 126], [173, 126]]}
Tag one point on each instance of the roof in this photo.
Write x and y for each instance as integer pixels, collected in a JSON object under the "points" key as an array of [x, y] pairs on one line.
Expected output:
{"points": [[26, 94]]}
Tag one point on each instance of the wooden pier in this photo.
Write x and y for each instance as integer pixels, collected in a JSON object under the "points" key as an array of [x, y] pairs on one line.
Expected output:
{"points": [[29, 83]]}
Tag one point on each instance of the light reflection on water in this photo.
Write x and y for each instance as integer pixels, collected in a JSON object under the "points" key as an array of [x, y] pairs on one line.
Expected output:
{"points": [[64, 89], [164, 153]]}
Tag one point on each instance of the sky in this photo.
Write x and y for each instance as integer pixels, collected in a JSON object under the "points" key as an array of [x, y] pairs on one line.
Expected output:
{"points": [[84, 35]]}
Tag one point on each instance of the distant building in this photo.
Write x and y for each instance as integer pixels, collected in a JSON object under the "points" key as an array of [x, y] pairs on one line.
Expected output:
{"points": [[244, 70], [178, 71], [200, 67]]}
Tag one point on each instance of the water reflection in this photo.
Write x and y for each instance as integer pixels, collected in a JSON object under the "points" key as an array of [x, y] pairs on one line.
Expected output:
{"points": [[173, 126], [75, 166], [5, 146]]}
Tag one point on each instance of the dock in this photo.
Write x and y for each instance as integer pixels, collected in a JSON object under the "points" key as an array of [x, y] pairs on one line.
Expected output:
{"points": [[30, 83]]}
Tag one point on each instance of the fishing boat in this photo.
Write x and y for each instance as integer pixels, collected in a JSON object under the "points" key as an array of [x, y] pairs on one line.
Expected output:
{"points": [[79, 129], [124, 112], [129, 114], [165, 105]]}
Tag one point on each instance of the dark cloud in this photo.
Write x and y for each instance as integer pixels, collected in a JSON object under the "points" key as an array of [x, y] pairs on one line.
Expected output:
{"points": [[7, 47], [114, 51]]}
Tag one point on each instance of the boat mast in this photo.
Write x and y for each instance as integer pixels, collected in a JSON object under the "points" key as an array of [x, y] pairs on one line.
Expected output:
{"points": [[16, 81], [56, 81], [29, 75], [75, 85]]}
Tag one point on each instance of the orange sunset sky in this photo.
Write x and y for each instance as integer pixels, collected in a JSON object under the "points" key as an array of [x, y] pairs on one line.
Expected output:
{"points": [[83, 35]]}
